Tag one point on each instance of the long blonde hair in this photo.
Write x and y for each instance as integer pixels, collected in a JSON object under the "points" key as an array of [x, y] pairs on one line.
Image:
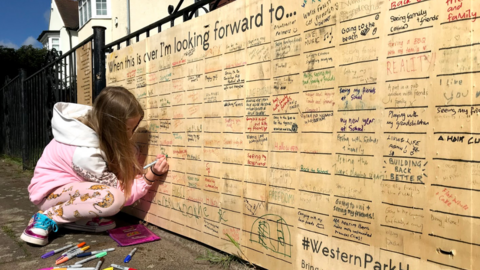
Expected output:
{"points": [[111, 110]]}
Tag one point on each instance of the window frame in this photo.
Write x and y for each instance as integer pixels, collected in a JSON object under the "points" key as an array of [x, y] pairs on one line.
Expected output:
{"points": [[106, 8], [52, 43], [87, 10], [84, 6]]}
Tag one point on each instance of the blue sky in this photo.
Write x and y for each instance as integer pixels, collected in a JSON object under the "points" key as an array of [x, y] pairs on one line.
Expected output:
{"points": [[22, 21]]}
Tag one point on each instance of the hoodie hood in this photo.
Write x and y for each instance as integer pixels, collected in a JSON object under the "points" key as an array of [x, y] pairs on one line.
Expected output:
{"points": [[68, 130]]}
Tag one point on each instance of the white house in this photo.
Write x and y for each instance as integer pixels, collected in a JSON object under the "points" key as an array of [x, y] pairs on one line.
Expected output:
{"points": [[71, 21], [122, 17], [62, 32]]}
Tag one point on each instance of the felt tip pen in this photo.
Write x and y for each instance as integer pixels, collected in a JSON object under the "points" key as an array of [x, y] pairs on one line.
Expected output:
{"points": [[108, 268], [71, 255], [74, 248], [99, 263], [99, 255], [51, 253], [116, 266], [151, 164], [85, 254], [81, 268], [129, 256], [74, 253], [62, 267]]}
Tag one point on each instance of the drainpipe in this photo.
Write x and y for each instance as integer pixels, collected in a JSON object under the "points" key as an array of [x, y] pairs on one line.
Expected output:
{"points": [[69, 37], [128, 17]]}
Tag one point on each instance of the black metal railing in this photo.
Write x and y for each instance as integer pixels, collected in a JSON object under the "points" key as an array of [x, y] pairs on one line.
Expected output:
{"points": [[175, 12], [56, 82], [26, 105], [11, 117]]}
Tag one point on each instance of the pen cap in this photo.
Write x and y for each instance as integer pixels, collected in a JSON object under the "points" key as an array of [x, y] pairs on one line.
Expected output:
{"points": [[99, 255], [46, 255], [62, 260]]}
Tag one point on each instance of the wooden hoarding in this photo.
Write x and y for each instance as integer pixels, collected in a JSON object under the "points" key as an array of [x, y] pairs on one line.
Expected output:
{"points": [[84, 74], [318, 134]]}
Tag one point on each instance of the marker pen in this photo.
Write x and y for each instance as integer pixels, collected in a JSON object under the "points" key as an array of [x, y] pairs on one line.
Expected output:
{"points": [[75, 252], [85, 254], [71, 255], [99, 255], [129, 256], [62, 267], [116, 266], [81, 268], [51, 253], [153, 163], [108, 268], [74, 248], [99, 263]]}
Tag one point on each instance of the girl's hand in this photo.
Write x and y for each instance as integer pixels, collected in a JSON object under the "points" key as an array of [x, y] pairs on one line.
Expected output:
{"points": [[161, 166], [155, 173]]}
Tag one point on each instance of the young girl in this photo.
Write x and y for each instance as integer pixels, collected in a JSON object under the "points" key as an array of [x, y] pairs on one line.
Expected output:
{"points": [[90, 169]]}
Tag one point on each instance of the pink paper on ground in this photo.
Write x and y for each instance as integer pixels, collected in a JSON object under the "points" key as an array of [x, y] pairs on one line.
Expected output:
{"points": [[132, 235]]}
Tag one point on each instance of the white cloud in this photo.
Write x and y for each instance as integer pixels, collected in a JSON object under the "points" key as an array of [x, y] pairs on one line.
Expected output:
{"points": [[8, 44], [46, 16], [32, 41]]}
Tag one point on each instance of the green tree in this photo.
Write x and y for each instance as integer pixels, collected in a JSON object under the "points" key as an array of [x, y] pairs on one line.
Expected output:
{"points": [[28, 57]]}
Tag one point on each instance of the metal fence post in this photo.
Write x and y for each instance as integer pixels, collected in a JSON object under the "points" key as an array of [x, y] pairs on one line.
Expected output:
{"points": [[21, 83], [98, 60]]}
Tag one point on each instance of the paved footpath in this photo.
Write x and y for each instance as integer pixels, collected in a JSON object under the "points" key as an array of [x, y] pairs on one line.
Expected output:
{"points": [[172, 252]]}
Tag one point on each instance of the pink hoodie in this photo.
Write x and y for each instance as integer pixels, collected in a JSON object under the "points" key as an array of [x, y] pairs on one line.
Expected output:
{"points": [[74, 156]]}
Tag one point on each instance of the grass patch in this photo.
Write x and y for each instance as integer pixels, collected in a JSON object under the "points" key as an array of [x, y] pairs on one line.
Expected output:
{"points": [[222, 260], [12, 160], [226, 260], [10, 233], [17, 162]]}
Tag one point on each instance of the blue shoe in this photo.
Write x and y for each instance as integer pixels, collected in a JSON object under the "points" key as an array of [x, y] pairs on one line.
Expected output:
{"points": [[38, 229]]}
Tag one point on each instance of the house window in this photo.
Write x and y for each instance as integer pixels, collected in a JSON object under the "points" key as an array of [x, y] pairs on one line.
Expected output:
{"points": [[55, 44], [88, 9], [85, 11], [101, 7]]}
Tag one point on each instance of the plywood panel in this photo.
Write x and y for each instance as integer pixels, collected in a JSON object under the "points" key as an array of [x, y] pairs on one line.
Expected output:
{"points": [[318, 134]]}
